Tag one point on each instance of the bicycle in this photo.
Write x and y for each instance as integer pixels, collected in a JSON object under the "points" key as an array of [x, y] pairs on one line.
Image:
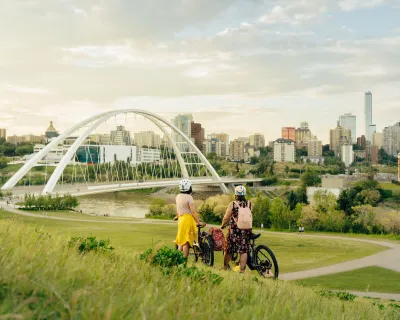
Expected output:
{"points": [[260, 258], [203, 248]]}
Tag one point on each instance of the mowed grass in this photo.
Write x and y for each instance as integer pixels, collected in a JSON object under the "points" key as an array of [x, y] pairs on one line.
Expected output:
{"points": [[294, 253], [42, 278], [372, 279], [390, 186]]}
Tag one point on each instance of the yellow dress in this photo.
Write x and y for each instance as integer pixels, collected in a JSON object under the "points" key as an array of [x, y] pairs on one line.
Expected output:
{"points": [[187, 230]]}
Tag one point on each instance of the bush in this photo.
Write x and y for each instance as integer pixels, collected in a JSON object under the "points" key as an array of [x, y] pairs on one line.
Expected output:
{"points": [[294, 175], [269, 181], [90, 244]]}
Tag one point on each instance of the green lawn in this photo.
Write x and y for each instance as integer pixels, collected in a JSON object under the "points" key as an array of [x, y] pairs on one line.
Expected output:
{"points": [[43, 278], [294, 253], [390, 186], [373, 279]]}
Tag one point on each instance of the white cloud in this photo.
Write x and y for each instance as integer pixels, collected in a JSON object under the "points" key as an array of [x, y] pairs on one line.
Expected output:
{"points": [[27, 90], [350, 5], [80, 12]]}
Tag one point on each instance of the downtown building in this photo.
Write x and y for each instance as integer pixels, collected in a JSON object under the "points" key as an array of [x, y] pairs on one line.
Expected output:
{"points": [[339, 137], [184, 123], [236, 150], [370, 128], [147, 139], [391, 139], [120, 136], [349, 121], [314, 147], [257, 141], [284, 150], [303, 135], [217, 143], [3, 133], [198, 135], [288, 133]]}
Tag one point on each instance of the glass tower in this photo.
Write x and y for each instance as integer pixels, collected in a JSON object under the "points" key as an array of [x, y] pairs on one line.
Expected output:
{"points": [[368, 115]]}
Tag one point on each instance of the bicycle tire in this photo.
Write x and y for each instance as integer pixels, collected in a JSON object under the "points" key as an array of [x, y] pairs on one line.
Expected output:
{"points": [[262, 269], [194, 254], [207, 251]]}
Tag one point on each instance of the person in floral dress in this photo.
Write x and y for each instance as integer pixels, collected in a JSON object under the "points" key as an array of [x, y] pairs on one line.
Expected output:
{"points": [[237, 240]]}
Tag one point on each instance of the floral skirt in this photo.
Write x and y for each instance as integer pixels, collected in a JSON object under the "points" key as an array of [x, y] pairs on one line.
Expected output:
{"points": [[237, 240], [187, 230]]}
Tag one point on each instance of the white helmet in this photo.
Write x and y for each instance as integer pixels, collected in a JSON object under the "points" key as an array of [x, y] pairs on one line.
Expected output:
{"points": [[184, 185], [240, 191]]}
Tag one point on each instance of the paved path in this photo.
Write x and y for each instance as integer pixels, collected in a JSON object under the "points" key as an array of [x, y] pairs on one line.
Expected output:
{"points": [[389, 259]]}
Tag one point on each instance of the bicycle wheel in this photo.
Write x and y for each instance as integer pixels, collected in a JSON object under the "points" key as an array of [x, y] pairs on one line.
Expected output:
{"points": [[194, 253], [207, 251], [266, 261]]}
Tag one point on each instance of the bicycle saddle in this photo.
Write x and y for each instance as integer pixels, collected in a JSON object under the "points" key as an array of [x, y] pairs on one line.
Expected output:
{"points": [[255, 236]]}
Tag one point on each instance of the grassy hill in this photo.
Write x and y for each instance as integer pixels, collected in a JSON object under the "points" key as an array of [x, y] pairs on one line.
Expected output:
{"points": [[42, 277]]}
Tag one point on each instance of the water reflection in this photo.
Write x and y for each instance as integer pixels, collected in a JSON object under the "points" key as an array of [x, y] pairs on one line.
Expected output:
{"points": [[116, 204]]}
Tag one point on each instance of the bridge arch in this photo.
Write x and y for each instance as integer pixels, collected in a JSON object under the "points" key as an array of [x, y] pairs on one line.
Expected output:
{"points": [[94, 122]]}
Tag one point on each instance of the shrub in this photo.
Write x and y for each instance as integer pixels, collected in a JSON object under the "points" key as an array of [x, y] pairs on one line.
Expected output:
{"points": [[90, 244], [269, 181]]}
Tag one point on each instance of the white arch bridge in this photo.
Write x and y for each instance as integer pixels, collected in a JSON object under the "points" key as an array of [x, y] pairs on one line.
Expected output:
{"points": [[178, 157]]}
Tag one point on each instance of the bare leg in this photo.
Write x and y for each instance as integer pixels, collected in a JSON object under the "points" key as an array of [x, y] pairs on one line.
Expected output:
{"points": [[227, 259], [185, 250], [243, 262]]}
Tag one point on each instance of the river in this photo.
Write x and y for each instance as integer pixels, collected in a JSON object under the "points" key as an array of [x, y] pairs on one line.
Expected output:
{"points": [[120, 204]]}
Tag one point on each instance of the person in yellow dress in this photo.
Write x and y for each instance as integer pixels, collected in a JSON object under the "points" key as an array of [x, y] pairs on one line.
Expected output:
{"points": [[187, 218]]}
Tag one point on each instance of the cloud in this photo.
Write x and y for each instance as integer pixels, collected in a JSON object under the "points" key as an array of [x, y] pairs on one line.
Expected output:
{"points": [[27, 90], [350, 5]]}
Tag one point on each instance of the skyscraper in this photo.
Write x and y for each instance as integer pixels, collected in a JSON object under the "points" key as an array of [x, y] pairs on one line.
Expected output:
{"points": [[368, 116], [197, 133], [339, 137], [3, 133], [120, 136], [289, 133], [184, 123], [257, 140], [348, 121]]}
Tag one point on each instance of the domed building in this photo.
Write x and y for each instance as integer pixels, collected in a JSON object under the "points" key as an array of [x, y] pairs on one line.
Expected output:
{"points": [[51, 132]]}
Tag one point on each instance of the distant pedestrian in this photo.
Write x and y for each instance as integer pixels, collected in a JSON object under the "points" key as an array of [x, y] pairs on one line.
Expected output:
{"points": [[299, 229], [302, 229], [262, 226]]}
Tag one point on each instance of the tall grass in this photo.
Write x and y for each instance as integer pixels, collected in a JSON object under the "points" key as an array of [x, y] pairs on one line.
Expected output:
{"points": [[41, 277]]}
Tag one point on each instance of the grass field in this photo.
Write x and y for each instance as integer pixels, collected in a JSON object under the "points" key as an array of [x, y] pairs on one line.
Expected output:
{"points": [[42, 278], [294, 253], [373, 279], [390, 186]]}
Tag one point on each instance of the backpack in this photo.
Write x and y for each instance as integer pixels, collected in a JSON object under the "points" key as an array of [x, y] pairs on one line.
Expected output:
{"points": [[218, 239], [245, 217]]}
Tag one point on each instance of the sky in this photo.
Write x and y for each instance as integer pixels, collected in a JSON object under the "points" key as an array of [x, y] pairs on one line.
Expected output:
{"points": [[239, 66]]}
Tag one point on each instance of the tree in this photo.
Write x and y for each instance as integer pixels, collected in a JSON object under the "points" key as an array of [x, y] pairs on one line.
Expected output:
{"points": [[24, 149], [279, 213], [3, 162], [287, 170], [325, 201], [261, 211], [371, 197], [254, 160], [310, 179]]}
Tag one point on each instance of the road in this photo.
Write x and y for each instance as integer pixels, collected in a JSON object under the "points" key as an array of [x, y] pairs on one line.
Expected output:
{"points": [[389, 258]]}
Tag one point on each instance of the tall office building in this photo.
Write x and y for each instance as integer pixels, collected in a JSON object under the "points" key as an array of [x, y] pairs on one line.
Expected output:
{"points": [[289, 133], [197, 134], [347, 154], [222, 141], [120, 136], [368, 117], [257, 141], [236, 150], [303, 135], [184, 123], [284, 150], [314, 147], [339, 137], [391, 139], [3, 133], [348, 121], [147, 139], [377, 139]]}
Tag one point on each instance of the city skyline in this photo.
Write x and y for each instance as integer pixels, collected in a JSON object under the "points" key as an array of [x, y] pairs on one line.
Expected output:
{"points": [[267, 64]]}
